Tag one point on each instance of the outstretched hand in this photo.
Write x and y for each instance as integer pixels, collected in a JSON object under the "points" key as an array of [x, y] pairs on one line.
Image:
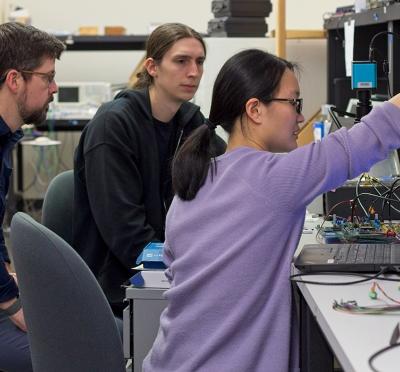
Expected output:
{"points": [[395, 100]]}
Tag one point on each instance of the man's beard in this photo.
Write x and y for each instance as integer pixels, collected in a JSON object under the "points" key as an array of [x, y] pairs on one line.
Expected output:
{"points": [[37, 116]]}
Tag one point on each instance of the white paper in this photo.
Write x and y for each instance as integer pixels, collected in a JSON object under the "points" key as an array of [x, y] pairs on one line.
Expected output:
{"points": [[360, 5], [41, 141], [349, 44]]}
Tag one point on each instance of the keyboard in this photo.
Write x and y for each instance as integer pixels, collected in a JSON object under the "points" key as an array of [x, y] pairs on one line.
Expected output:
{"points": [[372, 257]]}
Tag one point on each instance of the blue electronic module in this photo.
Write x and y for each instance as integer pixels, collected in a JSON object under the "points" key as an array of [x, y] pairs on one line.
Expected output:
{"points": [[372, 231]]}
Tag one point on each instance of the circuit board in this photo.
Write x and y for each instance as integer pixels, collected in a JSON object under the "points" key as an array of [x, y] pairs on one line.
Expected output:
{"points": [[367, 232]]}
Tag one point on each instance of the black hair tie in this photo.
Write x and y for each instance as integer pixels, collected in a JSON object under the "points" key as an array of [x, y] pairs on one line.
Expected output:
{"points": [[211, 126]]}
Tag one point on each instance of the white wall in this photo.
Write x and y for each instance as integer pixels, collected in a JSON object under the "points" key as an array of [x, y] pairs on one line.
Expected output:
{"points": [[312, 67]]}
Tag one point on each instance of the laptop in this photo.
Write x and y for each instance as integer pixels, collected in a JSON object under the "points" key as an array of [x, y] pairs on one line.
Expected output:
{"points": [[349, 257]]}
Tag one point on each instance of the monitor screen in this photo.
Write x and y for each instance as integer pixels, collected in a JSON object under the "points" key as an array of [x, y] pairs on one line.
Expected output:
{"points": [[68, 94]]}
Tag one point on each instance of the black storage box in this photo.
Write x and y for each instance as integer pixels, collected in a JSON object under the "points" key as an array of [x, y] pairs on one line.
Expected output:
{"points": [[238, 27], [241, 8]]}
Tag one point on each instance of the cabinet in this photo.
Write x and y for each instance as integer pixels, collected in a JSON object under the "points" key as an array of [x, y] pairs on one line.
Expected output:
{"points": [[141, 321], [367, 24]]}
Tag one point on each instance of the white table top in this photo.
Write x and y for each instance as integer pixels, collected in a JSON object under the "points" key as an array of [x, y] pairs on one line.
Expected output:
{"points": [[352, 337]]}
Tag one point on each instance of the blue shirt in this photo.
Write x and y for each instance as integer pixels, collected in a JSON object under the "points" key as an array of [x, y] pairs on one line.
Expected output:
{"points": [[8, 288]]}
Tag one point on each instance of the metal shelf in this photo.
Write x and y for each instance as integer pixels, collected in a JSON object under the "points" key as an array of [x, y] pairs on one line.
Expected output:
{"points": [[368, 17], [104, 43]]}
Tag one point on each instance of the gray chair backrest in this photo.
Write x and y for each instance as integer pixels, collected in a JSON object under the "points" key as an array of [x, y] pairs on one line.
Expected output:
{"points": [[57, 210], [71, 327]]}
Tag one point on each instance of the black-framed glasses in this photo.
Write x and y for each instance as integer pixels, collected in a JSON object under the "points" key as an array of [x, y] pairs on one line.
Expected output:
{"points": [[48, 77], [297, 103]]}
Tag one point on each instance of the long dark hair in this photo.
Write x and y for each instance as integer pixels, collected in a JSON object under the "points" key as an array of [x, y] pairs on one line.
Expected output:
{"points": [[249, 74], [159, 42]]}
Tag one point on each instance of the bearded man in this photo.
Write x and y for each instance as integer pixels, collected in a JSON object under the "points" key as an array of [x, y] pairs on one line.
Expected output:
{"points": [[27, 86]]}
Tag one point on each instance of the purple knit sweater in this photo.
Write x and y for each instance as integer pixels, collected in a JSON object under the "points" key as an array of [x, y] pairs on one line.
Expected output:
{"points": [[229, 251]]}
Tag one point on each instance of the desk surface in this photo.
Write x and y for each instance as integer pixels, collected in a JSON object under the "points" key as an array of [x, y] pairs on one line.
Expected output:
{"points": [[352, 337]]}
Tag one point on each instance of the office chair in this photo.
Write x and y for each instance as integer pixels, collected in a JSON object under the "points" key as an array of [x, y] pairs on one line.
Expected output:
{"points": [[57, 210], [71, 327]]}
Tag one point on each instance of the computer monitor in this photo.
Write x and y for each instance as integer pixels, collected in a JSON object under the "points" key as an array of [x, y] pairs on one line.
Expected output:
{"points": [[78, 100], [73, 93]]}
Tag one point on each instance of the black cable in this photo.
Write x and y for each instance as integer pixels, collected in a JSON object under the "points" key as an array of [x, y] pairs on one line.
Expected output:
{"points": [[372, 54], [370, 194], [390, 279], [353, 209], [371, 49], [386, 199], [385, 68], [388, 192], [363, 175], [366, 277], [343, 113], [385, 65], [334, 118], [378, 353], [389, 197]]}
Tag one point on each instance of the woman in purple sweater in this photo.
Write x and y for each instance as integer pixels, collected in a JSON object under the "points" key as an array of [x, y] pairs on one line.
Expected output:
{"points": [[235, 223]]}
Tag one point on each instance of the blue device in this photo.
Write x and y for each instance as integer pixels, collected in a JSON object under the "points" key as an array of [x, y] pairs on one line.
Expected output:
{"points": [[364, 75], [152, 256]]}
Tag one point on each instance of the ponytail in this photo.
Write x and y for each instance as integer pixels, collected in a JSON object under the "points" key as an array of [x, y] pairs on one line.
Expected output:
{"points": [[190, 165], [143, 80]]}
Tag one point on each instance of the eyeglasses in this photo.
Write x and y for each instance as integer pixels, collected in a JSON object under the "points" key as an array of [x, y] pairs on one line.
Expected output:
{"points": [[296, 103], [48, 77]]}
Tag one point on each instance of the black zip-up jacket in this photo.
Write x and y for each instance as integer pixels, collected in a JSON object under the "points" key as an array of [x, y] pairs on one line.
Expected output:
{"points": [[119, 204]]}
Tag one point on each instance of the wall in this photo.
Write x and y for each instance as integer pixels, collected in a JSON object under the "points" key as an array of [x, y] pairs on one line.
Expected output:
{"points": [[312, 67]]}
